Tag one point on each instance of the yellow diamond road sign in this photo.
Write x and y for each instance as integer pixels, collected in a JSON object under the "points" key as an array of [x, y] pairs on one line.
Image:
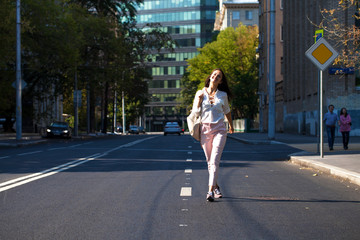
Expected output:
{"points": [[322, 54]]}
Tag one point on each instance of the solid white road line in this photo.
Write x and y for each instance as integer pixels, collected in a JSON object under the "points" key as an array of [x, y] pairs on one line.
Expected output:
{"points": [[32, 177], [189, 160], [185, 192]]}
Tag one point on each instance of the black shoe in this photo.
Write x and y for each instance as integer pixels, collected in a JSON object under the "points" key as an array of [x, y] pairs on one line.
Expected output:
{"points": [[210, 196], [331, 149]]}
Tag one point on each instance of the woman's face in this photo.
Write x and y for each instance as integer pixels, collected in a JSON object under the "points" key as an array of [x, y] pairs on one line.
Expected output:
{"points": [[216, 77], [344, 110]]}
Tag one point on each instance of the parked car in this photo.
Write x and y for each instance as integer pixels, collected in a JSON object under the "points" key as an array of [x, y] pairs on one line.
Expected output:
{"points": [[119, 129], [133, 129], [172, 128], [58, 129], [141, 130]]}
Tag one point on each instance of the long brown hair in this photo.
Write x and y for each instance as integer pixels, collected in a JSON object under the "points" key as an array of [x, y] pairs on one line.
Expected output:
{"points": [[341, 112], [223, 86]]}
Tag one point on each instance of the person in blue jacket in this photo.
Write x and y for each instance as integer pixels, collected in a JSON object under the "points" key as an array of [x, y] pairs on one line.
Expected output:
{"points": [[330, 120]]}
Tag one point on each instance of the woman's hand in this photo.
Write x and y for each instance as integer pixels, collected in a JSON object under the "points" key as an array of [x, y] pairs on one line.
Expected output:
{"points": [[231, 129]]}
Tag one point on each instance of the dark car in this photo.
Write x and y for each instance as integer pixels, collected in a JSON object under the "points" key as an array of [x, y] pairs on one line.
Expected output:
{"points": [[134, 129], [58, 129], [142, 129], [119, 129]]}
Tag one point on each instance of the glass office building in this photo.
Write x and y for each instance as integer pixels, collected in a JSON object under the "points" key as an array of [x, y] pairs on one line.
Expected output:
{"points": [[191, 24]]}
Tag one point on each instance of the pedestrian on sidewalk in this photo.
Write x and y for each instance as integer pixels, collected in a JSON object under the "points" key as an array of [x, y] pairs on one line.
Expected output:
{"points": [[330, 120], [345, 126], [212, 104]]}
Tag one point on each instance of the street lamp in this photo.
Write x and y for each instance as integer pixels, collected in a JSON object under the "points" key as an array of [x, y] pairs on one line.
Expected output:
{"points": [[18, 73]]}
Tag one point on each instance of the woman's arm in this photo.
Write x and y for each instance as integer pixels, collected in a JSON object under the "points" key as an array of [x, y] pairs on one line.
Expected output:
{"points": [[229, 119], [197, 103], [348, 119]]}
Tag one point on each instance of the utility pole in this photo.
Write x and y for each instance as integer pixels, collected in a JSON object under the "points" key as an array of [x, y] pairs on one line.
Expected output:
{"points": [[18, 73], [123, 105], [123, 111], [272, 59]]}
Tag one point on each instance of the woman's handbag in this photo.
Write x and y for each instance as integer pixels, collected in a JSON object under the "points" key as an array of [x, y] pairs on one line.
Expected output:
{"points": [[194, 124]]}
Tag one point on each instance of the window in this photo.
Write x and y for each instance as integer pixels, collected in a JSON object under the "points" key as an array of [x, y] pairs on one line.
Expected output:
{"points": [[147, 111], [236, 15], [170, 111], [281, 33], [357, 80], [156, 84], [158, 111], [249, 15]]}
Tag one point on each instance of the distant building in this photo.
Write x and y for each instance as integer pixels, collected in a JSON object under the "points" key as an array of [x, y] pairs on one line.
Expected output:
{"points": [[231, 13], [190, 23]]}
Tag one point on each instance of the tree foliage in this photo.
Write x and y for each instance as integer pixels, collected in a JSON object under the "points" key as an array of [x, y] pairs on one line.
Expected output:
{"points": [[346, 34], [234, 51], [97, 41]]}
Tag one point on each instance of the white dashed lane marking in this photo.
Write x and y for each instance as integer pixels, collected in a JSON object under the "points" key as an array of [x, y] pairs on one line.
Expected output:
{"points": [[185, 192]]}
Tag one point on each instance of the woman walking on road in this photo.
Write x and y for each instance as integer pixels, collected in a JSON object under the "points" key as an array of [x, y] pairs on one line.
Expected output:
{"points": [[212, 104], [345, 126]]}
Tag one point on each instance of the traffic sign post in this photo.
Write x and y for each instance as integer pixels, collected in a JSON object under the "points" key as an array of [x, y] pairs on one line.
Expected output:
{"points": [[322, 54]]}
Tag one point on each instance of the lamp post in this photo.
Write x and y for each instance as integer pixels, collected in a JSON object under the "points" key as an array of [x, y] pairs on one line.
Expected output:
{"points": [[271, 123], [18, 73]]}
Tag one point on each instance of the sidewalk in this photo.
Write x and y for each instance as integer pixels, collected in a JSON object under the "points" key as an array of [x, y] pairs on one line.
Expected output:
{"points": [[341, 163], [9, 139]]}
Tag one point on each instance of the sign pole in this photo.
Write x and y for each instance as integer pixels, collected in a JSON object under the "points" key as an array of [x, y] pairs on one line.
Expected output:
{"points": [[321, 117], [322, 54]]}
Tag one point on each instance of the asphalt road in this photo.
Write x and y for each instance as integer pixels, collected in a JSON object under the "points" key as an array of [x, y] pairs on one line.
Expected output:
{"points": [[154, 187]]}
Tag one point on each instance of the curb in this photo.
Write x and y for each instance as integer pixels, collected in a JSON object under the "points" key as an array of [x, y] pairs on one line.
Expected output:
{"points": [[254, 142], [19, 144], [353, 177]]}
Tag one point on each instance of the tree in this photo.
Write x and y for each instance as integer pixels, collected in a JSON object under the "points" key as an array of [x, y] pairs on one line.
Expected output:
{"points": [[234, 52], [97, 41], [345, 34], [7, 62]]}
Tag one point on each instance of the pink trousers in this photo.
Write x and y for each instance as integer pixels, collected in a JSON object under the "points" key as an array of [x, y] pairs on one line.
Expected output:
{"points": [[213, 139]]}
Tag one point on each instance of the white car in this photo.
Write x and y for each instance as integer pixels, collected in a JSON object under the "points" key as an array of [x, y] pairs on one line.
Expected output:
{"points": [[172, 128]]}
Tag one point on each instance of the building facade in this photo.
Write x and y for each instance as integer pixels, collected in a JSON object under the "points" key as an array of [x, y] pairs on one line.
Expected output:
{"points": [[231, 13], [297, 109], [263, 50], [190, 23]]}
